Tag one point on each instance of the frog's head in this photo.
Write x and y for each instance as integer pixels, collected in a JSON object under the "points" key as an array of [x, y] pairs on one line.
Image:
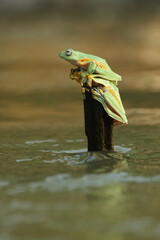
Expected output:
{"points": [[70, 55]]}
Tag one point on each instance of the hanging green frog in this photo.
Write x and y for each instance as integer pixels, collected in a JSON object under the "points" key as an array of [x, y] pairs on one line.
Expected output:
{"points": [[95, 75]]}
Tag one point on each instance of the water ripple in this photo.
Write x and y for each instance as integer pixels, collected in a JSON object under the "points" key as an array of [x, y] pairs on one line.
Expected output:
{"points": [[40, 141], [65, 182], [3, 183], [24, 160]]}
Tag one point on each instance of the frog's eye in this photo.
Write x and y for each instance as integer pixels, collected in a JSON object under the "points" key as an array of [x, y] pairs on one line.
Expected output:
{"points": [[69, 52]]}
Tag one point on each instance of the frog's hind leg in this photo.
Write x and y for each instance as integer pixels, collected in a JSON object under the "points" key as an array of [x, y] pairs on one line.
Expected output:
{"points": [[109, 75]]}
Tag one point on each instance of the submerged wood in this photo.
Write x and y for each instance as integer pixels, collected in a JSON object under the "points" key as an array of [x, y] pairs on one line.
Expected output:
{"points": [[98, 125]]}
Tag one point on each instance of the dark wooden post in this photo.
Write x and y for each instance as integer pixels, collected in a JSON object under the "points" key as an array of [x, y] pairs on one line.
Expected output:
{"points": [[98, 125]]}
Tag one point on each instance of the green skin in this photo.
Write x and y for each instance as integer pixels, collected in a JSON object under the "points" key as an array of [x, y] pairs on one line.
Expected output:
{"points": [[92, 65], [102, 77]]}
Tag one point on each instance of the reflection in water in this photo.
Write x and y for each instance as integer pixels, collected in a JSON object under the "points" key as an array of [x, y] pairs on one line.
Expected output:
{"points": [[65, 182]]}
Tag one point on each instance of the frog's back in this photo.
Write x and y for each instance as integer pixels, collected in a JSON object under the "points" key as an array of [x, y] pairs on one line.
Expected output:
{"points": [[96, 58]]}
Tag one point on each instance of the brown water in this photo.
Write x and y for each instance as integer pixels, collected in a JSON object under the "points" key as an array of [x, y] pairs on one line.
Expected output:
{"points": [[50, 186]]}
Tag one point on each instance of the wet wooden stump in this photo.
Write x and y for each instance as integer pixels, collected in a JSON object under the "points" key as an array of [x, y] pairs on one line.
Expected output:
{"points": [[98, 125]]}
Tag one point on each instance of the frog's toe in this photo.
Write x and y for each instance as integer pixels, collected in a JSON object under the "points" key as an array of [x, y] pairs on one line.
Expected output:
{"points": [[71, 77], [90, 76], [89, 82], [83, 90]]}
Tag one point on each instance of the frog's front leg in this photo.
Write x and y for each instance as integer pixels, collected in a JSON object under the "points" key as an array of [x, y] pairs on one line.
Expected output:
{"points": [[87, 76], [86, 79], [91, 67], [89, 81], [75, 74]]}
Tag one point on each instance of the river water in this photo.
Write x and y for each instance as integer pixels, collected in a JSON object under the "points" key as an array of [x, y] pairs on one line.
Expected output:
{"points": [[52, 188]]}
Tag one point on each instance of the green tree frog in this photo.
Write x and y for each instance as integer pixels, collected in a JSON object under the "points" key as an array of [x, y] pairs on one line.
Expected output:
{"points": [[95, 75], [92, 64]]}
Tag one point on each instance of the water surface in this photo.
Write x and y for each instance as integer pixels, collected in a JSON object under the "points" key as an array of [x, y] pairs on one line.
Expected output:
{"points": [[52, 188]]}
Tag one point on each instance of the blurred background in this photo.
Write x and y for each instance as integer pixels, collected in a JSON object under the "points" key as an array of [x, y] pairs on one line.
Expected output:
{"points": [[33, 32]]}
